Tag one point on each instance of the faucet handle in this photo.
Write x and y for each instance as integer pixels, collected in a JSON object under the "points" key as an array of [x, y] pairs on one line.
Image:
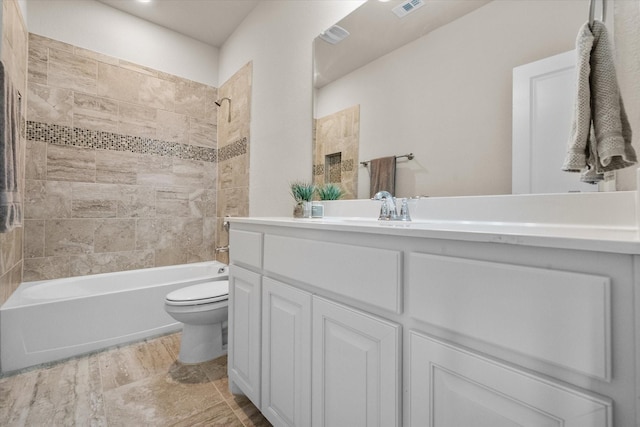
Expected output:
{"points": [[404, 211], [384, 211]]}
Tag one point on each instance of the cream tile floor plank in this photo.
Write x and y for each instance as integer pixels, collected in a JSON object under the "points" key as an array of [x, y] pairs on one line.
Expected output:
{"points": [[141, 384], [124, 365], [16, 394], [220, 415], [241, 405], [66, 394]]}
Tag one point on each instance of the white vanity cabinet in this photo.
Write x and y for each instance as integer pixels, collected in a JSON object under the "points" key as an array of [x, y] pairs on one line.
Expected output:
{"points": [[356, 367], [243, 361], [286, 354], [558, 317], [308, 344], [245, 288], [450, 386], [387, 325]]}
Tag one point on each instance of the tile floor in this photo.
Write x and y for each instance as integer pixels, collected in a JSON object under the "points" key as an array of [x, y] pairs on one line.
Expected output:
{"points": [[140, 384]]}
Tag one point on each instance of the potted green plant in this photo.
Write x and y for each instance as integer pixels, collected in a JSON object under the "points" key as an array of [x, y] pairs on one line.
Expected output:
{"points": [[330, 191], [302, 193]]}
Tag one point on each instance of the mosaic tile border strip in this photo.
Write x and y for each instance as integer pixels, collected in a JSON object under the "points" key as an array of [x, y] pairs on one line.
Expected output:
{"points": [[235, 149], [86, 138], [345, 166]]}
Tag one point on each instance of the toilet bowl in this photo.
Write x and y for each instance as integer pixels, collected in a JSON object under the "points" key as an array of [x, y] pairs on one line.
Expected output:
{"points": [[202, 309]]}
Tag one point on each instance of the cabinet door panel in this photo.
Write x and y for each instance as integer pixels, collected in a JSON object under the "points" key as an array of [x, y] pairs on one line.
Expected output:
{"points": [[286, 354], [355, 367], [450, 386], [244, 332]]}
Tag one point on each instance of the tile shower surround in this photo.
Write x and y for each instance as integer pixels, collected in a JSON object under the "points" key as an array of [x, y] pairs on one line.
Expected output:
{"points": [[121, 165], [14, 58], [114, 224]]}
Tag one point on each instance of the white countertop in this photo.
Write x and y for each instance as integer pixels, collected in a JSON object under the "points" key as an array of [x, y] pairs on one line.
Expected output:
{"points": [[621, 239], [605, 222]]}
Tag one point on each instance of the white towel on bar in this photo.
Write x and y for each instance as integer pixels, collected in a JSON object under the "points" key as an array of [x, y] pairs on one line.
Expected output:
{"points": [[600, 139]]}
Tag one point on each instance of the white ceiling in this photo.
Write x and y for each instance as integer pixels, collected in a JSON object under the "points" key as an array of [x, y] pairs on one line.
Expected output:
{"points": [[375, 31], [210, 21]]}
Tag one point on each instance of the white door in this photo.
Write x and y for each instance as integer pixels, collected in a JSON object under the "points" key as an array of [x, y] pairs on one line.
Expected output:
{"points": [[449, 386], [286, 354], [244, 332], [543, 103], [356, 378]]}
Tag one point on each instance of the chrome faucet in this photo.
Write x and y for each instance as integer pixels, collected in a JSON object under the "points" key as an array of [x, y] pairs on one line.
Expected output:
{"points": [[388, 210]]}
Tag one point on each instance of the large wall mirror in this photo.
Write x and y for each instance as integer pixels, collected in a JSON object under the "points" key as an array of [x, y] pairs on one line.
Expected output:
{"points": [[436, 83]]}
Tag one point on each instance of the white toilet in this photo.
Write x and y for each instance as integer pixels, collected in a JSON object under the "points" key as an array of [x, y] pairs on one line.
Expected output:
{"points": [[203, 310]]}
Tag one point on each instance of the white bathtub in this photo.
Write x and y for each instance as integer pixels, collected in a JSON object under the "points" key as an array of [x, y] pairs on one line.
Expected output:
{"points": [[50, 320]]}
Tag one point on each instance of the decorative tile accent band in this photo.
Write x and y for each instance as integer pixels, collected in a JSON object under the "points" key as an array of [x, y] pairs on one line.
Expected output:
{"points": [[235, 149], [86, 138], [345, 166]]}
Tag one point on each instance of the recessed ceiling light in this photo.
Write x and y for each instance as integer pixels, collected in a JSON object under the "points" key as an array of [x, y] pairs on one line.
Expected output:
{"points": [[144, 1]]}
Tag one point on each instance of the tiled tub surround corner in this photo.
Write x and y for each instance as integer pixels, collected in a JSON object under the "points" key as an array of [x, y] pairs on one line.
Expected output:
{"points": [[14, 58], [121, 165], [233, 152]]}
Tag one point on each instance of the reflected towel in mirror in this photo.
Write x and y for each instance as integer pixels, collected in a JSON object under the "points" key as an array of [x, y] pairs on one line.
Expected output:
{"points": [[383, 175]]}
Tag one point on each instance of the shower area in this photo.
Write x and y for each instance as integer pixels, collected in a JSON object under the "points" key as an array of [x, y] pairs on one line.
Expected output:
{"points": [[336, 138], [128, 167]]}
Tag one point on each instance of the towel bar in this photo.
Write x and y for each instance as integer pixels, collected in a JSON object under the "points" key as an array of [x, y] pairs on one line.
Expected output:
{"points": [[592, 11], [408, 156]]}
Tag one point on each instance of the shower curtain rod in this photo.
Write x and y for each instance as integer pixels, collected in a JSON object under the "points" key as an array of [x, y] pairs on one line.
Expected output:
{"points": [[408, 156]]}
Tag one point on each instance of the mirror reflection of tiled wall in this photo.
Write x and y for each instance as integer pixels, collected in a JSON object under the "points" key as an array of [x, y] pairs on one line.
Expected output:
{"points": [[335, 150], [121, 165]]}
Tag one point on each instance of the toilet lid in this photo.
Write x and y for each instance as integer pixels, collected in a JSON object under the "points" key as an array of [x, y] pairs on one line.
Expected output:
{"points": [[201, 293]]}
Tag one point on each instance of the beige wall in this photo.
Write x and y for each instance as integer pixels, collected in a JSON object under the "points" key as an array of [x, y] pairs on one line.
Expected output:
{"points": [[121, 165], [14, 58]]}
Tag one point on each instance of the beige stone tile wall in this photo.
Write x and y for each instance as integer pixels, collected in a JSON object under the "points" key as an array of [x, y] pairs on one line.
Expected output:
{"points": [[14, 58], [121, 165], [335, 150], [233, 152]]}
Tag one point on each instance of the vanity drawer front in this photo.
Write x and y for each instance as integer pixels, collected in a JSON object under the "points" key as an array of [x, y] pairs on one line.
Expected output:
{"points": [[370, 275], [450, 386], [555, 316], [245, 247]]}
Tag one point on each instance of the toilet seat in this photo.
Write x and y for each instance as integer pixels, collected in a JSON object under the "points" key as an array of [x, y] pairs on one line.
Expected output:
{"points": [[202, 293]]}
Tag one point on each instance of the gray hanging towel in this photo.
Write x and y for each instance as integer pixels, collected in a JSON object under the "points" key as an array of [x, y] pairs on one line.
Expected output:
{"points": [[383, 175], [10, 200], [600, 139]]}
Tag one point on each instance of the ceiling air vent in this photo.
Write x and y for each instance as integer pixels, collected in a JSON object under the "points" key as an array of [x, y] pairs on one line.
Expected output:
{"points": [[407, 7], [334, 34]]}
